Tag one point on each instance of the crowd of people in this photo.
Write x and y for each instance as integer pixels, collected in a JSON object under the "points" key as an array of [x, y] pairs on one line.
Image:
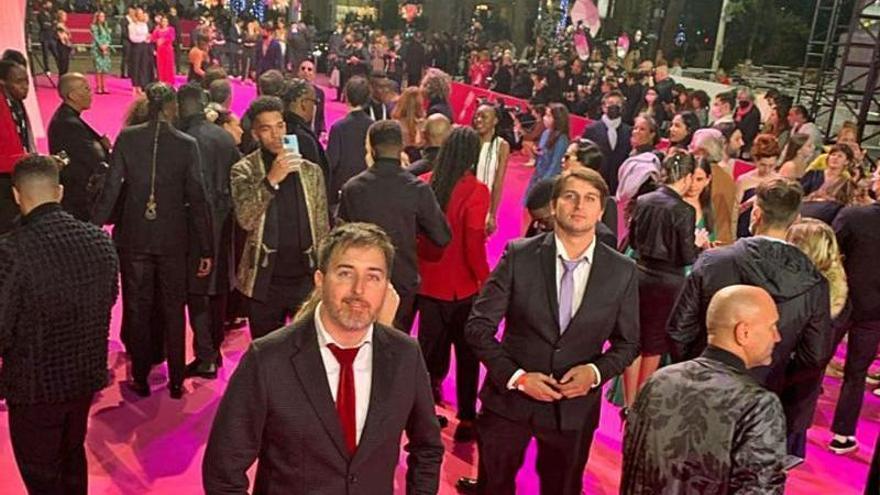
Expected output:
{"points": [[675, 229]]}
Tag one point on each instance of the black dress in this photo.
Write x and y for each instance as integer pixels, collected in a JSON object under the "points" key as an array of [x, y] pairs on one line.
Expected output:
{"points": [[662, 235]]}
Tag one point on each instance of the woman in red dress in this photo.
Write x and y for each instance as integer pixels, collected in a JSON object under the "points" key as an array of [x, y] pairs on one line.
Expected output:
{"points": [[163, 36]]}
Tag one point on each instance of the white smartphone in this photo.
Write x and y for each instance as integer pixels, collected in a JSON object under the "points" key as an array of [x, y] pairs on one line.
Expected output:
{"points": [[291, 143]]}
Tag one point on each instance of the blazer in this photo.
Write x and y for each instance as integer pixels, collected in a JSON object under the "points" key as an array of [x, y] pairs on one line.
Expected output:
{"points": [[10, 143], [68, 132], [278, 410], [272, 59], [180, 193], [522, 290], [346, 150], [404, 206], [462, 266], [598, 133]]}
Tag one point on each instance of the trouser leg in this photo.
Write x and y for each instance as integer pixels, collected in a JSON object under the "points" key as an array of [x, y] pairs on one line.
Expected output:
{"points": [[861, 350]]}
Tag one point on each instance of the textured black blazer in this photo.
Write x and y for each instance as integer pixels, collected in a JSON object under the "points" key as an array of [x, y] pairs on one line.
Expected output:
{"points": [[278, 410], [522, 291]]}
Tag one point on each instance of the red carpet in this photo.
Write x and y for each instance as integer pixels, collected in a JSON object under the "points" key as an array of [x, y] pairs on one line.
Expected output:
{"points": [[155, 445]]}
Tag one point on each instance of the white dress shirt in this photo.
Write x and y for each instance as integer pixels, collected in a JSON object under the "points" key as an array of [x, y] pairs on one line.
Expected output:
{"points": [[581, 278], [138, 32], [362, 367]]}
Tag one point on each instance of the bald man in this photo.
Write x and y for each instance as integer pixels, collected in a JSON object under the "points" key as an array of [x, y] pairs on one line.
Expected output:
{"points": [[437, 129], [57, 290], [705, 425], [87, 149]]}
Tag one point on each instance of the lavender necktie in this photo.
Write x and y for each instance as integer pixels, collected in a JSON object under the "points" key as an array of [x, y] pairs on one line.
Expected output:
{"points": [[566, 292]]}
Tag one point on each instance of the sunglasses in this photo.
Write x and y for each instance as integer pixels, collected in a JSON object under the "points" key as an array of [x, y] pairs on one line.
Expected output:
{"points": [[307, 69]]}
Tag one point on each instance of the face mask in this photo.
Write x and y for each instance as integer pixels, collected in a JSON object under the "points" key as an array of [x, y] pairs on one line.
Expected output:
{"points": [[613, 111], [743, 103]]}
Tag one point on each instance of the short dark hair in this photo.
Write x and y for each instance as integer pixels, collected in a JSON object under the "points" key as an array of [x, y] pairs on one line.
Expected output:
{"points": [[728, 98], [16, 56], [6, 68], [802, 110], [294, 90], [36, 167], [271, 83], [585, 174], [212, 74], [589, 154], [191, 99], [220, 90], [780, 201], [265, 104], [540, 195], [385, 135], [357, 91]]}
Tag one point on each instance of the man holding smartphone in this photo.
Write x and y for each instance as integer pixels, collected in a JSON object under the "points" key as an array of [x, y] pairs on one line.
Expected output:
{"points": [[280, 200]]}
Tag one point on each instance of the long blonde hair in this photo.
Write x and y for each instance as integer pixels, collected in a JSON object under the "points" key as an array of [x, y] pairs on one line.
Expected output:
{"points": [[816, 239]]}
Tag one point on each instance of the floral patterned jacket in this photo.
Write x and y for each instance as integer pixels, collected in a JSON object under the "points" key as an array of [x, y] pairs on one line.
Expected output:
{"points": [[255, 212], [704, 427]]}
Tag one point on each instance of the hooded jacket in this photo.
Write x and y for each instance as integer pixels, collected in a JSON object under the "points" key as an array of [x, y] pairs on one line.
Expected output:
{"points": [[797, 287]]}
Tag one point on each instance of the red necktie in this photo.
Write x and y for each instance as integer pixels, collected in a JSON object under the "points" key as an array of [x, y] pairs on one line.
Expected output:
{"points": [[345, 399]]}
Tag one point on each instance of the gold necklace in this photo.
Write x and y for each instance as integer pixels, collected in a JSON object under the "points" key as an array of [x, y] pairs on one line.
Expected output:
{"points": [[150, 213]]}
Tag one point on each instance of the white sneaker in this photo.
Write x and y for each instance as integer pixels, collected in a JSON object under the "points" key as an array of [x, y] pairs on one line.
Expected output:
{"points": [[843, 445]]}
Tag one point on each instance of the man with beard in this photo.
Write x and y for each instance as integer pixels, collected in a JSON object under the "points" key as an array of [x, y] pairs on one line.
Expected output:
{"points": [[206, 296], [564, 296], [798, 288], [322, 404]]}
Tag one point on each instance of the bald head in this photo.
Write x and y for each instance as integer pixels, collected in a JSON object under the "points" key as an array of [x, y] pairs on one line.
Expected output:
{"points": [[742, 319], [437, 128], [74, 89]]}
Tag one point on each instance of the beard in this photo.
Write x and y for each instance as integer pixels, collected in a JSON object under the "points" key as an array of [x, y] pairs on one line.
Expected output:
{"points": [[352, 313]]}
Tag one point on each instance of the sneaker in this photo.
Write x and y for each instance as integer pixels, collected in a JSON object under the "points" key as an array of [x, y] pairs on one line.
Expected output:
{"points": [[791, 461], [843, 445], [873, 378], [876, 392]]}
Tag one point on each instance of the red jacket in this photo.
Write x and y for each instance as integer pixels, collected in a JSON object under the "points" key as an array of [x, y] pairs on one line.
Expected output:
{"points": [[10, 144], [461, 269]]}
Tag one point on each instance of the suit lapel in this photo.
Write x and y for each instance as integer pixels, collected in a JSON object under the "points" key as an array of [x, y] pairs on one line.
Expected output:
{"points": [[380, 391], [548, 268], [313, 379]]}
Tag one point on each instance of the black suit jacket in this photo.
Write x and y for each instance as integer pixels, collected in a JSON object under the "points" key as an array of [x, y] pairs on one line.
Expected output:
{"points": [[598, 133], [309, 146], [320, 124], [68, 132], [180, 194], [522, 290], [272, 59], [278, 410], [404, 206], [346, 151]]}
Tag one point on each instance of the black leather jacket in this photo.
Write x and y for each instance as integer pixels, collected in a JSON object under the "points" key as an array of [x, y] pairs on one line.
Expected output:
{"points": [[662, 231]]}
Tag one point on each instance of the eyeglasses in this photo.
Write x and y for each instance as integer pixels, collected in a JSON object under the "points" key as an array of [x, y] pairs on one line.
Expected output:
{"points": [[307, 69]]}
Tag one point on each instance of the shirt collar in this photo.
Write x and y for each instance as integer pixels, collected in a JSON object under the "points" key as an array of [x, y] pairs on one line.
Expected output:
{"points": [[39, 212], [325, 339], [724, 356], [612, 123], [588, 254]]}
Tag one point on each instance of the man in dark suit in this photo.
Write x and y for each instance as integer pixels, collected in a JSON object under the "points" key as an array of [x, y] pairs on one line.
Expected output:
{"points": [[300, 104], [321, 404], [414, 59], [346, 147], [87, 150], [164, 195], [54, 355], [206, 296], [269, 54], [612, 135], [307, 71], [564, 295], [392, 198]]}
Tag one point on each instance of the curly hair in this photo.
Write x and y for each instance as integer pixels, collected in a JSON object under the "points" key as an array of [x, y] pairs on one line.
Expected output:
{"points": [[816, 239], [435, 84], [765, 146]]}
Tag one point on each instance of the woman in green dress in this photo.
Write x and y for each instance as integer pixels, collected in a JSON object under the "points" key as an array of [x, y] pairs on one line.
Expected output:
{"points": [[100, 50]]}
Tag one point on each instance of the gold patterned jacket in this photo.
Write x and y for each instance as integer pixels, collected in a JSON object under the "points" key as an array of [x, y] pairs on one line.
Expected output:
{"points": [[255, 213]]}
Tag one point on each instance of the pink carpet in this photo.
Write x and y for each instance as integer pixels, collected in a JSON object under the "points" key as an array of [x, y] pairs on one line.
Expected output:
{"points": [[155, 445]]}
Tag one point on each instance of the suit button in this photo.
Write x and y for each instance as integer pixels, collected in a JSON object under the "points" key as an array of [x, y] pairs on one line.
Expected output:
{"points": [[352, 479]]}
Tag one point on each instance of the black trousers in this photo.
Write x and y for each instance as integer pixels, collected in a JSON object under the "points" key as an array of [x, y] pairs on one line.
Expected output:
{"points": [[406, 313], [48, 444], [861, 350], [441, 325], [126, 53], [144, 277], [207, 316], [49, 47], [502, 443], [283, 300], [63, 59], [8, 209]]}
